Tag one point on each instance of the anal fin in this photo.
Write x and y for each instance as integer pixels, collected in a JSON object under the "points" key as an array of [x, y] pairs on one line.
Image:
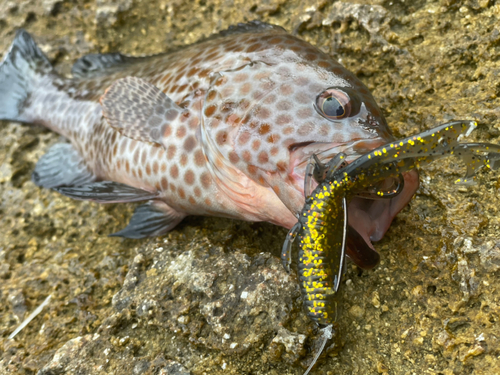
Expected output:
{"points": [[62, 165], [150, 219], [106, 192]]}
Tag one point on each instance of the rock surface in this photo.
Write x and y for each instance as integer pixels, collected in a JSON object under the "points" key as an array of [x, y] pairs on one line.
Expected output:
{"points": [[211, 296]]}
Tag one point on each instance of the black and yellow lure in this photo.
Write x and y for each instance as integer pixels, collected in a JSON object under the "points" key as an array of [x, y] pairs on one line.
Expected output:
{"points": [[322, 224]]}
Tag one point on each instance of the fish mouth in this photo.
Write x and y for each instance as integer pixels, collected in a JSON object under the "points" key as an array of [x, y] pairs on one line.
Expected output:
{"points": [[368, 219]]}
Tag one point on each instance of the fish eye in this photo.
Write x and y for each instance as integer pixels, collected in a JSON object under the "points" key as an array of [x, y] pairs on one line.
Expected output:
{"points": [[334, 104]]}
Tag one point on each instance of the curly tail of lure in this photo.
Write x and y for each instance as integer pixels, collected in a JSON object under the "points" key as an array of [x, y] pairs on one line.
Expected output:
{"points": [[327, 335]]}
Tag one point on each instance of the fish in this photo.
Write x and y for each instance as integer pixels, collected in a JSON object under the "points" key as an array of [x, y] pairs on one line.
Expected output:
{"points": [[322, 224], [224, 127]]}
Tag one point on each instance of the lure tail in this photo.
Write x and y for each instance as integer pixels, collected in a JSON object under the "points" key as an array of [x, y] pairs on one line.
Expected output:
{"points": [[20, 72]]}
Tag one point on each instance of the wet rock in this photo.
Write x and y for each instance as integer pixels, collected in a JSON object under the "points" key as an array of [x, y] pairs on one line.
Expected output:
{"points": [[173, 368], [374, 19], [108, 12]]}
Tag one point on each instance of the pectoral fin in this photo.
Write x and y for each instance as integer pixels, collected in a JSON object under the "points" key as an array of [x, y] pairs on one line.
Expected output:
{"points": [[149, 220], [139, 110]]}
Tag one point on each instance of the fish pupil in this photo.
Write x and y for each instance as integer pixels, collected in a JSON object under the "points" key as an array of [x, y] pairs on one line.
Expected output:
{"points": [[333, 108]]}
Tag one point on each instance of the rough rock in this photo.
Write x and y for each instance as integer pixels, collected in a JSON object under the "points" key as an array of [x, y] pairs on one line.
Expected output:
{"points": [[211, 297]]}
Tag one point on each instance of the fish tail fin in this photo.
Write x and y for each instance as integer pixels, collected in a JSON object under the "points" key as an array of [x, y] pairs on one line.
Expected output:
{"points": [[22, 67]]}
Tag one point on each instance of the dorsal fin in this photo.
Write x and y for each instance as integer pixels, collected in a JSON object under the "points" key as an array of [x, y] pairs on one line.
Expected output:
{"points": [[139, 110], [250, 27], [97, 64]]}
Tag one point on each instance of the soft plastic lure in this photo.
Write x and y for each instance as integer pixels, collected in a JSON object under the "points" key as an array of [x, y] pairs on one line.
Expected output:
{"points": [[322, 223]]}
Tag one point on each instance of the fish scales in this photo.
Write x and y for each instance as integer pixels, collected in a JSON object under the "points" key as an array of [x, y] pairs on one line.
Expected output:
{"points": [[223, 127]]}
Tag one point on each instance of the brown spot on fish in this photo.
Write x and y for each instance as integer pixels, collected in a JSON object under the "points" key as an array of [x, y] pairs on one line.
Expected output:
{"points": [[155, 167], [189, 143], [245, 88], [233, 157], [233, 120], [192, 200], [252, 169], [210, 110], [127, 166], [171, 152], [164, 183], [270, 99], [181, 89], [197, 191], [283, 119], [256, 144], [323, 64], [181, 193], [227, 91], [193, 122], [212, 94], [184, 160], [221, 137], [286, 89], [171, 114], [284, 105], [192, 71], [208, 202], [282, 165], [139, 172], [165, 79], [163, 167], [247, 156], [304, 113], [167, 130], [144, 156], [205, 180], [132, 145], [302, 98], [148, 169], [311, 56], [181, 132], [324, 130], [264, 129], [263, 113], [174, 171], [189, 177], [273, 138], [241, 77], [199, 158], [220, 81], [263, 157]]}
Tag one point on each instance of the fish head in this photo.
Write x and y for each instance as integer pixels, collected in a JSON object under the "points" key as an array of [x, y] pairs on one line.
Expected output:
{"points": [[267, 117]]}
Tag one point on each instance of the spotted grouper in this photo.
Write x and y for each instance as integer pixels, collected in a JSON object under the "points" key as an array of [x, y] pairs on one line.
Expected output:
{"points": [[224, 127]]}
